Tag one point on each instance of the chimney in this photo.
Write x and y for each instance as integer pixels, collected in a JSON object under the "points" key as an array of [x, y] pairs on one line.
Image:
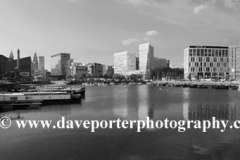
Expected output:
{"points": [[18, 60]]}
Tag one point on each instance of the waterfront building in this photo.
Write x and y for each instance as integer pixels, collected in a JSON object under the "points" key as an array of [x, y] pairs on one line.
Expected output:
{"points": [[124, 62], [206, 62], [95, 69], [78, 69], [104, 70], [160, 63], [110, 71], [146, 58], [60, 65], [41, 64], [25, 66], [3, 65], [234, 62]]}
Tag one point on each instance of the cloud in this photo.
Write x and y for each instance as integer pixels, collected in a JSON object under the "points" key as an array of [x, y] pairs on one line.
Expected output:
{"points": [[233, 4], [129, 41], [151, 33], [199, 8]]}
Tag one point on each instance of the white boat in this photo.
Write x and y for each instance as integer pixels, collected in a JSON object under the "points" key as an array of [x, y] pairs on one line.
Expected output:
{"points": [[19, 98]]}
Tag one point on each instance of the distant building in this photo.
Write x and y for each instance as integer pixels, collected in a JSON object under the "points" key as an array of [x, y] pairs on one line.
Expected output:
{"points": [[105, 67], [160, 63], [3, 65], [25, 66], [11, 56], [110, 71], [60, 65], [146, 58], [143, 62], [95, 69], [206, 62], [35, 62], [234, 62], [78, 69], [41, 63], [124, 62]]}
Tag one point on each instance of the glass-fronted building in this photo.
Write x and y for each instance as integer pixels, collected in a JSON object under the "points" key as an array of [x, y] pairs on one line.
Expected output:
{"points": [[60, 64], [206, 62]]}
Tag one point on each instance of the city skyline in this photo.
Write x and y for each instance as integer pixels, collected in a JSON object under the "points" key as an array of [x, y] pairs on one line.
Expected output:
{"points": [[93, 30]]}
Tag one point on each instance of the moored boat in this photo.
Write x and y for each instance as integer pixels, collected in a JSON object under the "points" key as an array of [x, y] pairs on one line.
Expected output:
{"points": [[40, 97]]}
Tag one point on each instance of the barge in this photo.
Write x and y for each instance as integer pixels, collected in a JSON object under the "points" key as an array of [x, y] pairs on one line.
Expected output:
{"points": [[32, 99]]}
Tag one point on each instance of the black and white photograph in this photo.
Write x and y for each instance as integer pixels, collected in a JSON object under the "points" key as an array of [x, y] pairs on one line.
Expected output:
{"points": [[119, 79]]}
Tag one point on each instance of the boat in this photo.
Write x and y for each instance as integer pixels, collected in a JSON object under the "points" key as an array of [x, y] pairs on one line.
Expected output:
{"points": [[39, 98]]}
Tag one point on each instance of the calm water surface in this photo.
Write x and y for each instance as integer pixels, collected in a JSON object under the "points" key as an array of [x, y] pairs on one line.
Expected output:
{"points": [[130, 103]]}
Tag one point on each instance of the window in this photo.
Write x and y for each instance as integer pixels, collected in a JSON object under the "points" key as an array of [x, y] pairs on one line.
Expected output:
{"points": [[209, 52], [207, 69], [208, 59], [198, 52], [190, 52], [202, 52], [215, 59]]}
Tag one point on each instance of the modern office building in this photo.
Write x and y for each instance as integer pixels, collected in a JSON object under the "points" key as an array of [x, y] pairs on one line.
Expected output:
{"points": [[206, 62], [234, 62], [60, 65], [124, 62], [95, 69], [41, 63], [78, 69], [146, 58], [160, 63]]}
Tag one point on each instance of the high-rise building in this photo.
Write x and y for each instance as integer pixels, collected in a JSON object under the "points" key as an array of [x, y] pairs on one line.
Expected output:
{"points": [[206, 62], [146, 56], [124, 62], [60, 64], [234, 62], [41, 63]]}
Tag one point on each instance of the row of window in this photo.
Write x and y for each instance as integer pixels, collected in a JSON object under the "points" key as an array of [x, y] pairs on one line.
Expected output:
{"points": [[207, 64], [208, 59], [207, 69], [208, 52]]}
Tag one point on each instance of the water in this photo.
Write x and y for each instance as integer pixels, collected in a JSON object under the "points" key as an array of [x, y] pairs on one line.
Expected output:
{"points": [[130, 103]]}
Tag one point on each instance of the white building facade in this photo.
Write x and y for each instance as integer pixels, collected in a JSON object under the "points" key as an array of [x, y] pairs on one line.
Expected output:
{"points": [[146, 56], [206, 62], [124, 62]]}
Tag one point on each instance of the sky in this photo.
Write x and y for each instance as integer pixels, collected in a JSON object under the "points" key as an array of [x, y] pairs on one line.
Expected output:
{"points": [[93, 30]]}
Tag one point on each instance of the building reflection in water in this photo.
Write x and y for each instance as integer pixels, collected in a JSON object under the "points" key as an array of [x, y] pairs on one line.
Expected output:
{"points": [[120, 108], [205, 111], [144, 102]]}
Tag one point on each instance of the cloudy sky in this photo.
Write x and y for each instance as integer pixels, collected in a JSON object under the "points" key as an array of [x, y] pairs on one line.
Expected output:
{"points": [[92, 30]]}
